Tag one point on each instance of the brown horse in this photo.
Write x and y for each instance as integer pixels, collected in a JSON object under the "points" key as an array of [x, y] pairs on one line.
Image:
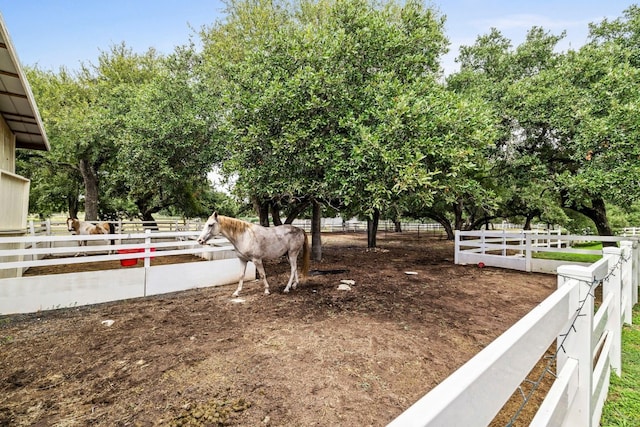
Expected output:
{"points": [[254, 243], [75, 226]]}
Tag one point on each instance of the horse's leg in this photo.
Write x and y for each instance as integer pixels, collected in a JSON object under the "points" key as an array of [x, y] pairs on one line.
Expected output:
{"points": [[260, 267], [81, 243], [243, 268], [293, 277]]}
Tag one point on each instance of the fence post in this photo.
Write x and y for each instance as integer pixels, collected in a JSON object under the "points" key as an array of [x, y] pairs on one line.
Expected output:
{"points": [[635, 273], [527, 252], [611, 284], [576, 344], [456, 252], [626, 278], [147, 257]]}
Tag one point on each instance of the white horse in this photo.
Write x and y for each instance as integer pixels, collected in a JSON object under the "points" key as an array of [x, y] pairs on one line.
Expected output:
{"points": [[254, 243], [78, 227]]}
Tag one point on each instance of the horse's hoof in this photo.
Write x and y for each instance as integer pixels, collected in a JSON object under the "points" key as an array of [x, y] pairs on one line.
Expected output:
{"points": [[266, 292], [235, 295]]}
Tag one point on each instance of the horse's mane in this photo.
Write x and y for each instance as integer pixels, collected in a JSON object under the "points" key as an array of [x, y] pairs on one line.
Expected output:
{"points": [[233, 226]]}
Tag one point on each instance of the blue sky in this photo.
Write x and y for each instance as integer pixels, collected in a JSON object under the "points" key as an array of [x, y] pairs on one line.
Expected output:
{"points": [[55, 33]]}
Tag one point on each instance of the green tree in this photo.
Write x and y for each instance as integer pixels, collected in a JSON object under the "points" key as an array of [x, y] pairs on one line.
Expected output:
{"points": [[164, 145], [130, 135], [336, 102], [569, 137], [57, 176], [516, 181]]}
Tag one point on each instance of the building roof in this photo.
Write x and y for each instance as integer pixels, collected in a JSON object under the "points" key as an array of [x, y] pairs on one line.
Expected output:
{"points": [[17, 104]]}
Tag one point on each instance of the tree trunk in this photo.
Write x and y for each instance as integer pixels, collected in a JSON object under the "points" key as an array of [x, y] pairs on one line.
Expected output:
{"points": [[372, 228], [397, 226], [527, 222], [457, 211], [149, 221], [598, 214], [448, 227], [263, 212], [90, 178], [275, 213], [298, 208], [316, 235], [451, 235], [444, 222]]}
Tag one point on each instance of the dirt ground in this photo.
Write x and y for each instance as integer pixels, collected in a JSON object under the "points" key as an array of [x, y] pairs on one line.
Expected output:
{"points": [[318, 356]]}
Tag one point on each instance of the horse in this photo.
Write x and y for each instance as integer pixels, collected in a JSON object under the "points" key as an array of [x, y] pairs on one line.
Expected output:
{"points": [[75, 226], [254, 243]]}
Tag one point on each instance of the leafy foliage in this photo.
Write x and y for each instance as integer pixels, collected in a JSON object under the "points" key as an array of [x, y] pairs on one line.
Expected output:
{"points": [[342, 102]]}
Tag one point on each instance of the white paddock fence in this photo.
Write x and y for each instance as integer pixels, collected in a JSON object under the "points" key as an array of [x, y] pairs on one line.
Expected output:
{"points": [[587, 347], [631, 231], [25, 294], [517, 250]]}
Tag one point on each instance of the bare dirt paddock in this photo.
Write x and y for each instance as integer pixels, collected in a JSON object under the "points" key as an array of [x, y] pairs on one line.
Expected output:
{"points": [[317, 356]]}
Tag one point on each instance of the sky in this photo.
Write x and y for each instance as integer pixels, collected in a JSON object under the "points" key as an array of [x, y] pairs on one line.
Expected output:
{"points": [[67, 33]]}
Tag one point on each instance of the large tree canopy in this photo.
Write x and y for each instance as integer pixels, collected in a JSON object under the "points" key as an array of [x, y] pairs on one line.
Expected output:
{"points": [[128, 135], [339, 101], [567, 134]]}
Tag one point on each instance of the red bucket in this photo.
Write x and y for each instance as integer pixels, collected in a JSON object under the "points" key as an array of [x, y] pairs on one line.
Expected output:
{"points": [[131, 261]]}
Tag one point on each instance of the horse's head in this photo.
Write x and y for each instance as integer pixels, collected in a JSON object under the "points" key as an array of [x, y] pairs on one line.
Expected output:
{"points": [[72, 225], [211, 228]]}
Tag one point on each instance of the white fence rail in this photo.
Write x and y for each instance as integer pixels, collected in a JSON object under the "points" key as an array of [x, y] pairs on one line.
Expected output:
{"points": [[516, 250], [631, 231], [24, 294], [53, 227], [338, 225], [588, 344]]}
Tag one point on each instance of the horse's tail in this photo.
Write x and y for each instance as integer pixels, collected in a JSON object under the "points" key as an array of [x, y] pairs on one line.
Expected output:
{"points": [[306, 256]]}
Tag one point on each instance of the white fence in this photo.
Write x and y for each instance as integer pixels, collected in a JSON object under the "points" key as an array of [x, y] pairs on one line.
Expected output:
{"points": [[588, 346], [353, 225], [43, 292], [631, 231], [53, 227], [516, 250]]}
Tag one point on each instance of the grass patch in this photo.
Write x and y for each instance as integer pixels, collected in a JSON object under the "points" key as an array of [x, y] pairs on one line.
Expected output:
{"points": [[622, 408], [568, 256]]}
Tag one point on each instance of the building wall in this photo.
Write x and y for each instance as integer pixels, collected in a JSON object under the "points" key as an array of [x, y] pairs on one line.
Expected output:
{"points": [[14, 196], [7, 148]]}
